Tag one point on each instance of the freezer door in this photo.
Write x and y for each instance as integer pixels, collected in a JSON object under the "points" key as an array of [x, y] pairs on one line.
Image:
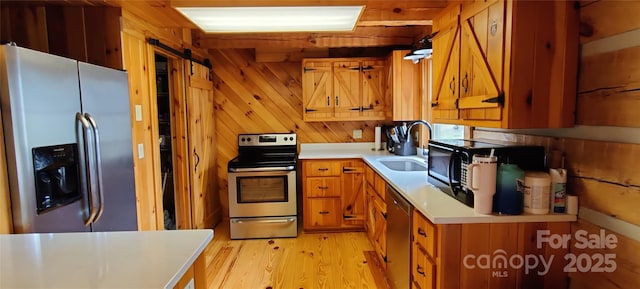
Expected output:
{"points": [[40, 97], [105, 100]]}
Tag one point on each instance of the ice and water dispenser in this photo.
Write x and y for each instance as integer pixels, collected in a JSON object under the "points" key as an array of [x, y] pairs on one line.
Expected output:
{"points": [[56, 175]]}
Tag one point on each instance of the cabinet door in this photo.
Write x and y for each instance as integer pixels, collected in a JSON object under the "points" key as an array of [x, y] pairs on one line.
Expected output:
{"points": [[317, 90], [205, 204], [353, 192], [403, 87], [446, 65], [322, 212], [370, 209], [374, 104], [423, 269], [347, 86], [482, 54], [380, 236]]}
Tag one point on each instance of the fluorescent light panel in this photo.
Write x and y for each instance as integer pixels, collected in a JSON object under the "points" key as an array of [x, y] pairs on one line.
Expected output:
{"points": [[273, 19]]}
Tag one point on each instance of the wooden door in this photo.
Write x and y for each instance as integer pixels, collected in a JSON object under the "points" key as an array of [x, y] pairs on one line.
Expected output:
{"points": [[482, 55], [446, 64], [317, 90], [374, 103], [347, 87], [352, 182], [205, 204]]}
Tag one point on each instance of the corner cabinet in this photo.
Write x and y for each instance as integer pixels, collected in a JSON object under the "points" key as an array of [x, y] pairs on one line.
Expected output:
{"points": [[506, 64], [336, 89], [333, 195]]}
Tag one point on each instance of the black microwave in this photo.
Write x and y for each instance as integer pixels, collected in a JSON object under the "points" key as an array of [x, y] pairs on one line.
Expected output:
{"points": [[448, 160]]}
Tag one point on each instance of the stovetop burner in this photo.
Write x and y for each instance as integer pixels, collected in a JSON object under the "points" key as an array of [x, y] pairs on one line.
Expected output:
{"points": [[265, 150]]}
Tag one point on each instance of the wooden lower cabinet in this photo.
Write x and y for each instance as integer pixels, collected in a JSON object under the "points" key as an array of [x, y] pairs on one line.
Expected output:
{"points": [[469, 255], [333, 195]]}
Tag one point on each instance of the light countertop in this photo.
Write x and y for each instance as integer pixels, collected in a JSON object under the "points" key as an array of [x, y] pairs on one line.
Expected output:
{"points": [[150, 259], [434, 204]]}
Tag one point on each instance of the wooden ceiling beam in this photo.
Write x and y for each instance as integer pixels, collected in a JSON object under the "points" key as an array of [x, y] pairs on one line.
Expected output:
{"points": [[394, 16], [362, 37]]}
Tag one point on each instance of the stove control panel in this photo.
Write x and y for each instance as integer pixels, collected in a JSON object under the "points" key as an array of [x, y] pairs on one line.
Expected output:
{"points": [[268, 139]]}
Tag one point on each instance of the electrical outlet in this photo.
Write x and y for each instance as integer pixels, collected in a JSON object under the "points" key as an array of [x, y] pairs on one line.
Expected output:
{"points": [[357, 133]]}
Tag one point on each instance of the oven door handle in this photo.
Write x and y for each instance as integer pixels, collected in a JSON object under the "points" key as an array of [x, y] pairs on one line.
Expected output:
{"points": [[268, 169], [287, 220]]}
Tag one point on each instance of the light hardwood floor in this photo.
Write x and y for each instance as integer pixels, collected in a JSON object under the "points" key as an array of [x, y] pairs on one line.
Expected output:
{"points": [[319, 260]]}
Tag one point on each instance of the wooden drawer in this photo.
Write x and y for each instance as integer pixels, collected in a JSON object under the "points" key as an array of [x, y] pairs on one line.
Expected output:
{"points": [[321, 168], [423, 269], [323, 212], [322, 187], [424, 233]]}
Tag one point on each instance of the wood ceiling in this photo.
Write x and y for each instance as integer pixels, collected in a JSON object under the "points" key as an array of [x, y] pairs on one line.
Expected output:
{"points": [[383, 23]]}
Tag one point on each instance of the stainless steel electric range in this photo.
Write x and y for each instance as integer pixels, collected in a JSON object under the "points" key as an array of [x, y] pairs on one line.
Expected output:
{"points": [[262, 187]]}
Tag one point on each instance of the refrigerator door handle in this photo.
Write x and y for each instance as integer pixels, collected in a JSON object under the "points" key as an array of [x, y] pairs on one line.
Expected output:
{"points": [[85, 168], [96, 143]]}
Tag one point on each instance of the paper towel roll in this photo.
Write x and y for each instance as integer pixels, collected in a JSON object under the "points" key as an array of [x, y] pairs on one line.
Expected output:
{"points": [[572, 205], [378, 138]]}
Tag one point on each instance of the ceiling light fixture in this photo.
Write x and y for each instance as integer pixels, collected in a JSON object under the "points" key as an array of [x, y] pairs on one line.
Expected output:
{"points": [[273, 19], [423, 49]]}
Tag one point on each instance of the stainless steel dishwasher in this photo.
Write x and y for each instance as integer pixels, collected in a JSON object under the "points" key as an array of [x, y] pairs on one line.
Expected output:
{"points": [[398, 239]]}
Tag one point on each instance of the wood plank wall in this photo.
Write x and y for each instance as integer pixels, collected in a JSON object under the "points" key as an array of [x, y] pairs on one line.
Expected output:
{"points": [[605, 175], [256, 97]]}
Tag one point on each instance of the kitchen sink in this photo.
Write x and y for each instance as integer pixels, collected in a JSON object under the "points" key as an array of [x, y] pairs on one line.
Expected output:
{"points": [[406, 165]]}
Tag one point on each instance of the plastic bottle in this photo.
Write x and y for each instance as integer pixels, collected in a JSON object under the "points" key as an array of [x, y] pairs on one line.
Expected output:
{"points": [[509, 190], [558, 190], [537, 187]]}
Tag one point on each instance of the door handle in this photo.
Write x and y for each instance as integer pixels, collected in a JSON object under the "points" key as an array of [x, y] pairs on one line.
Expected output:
{"points": [[195, 153], [421, 232], [420, 271], [287, 220], [323, 212], [323, 188], [96, 144], [85, 164]]}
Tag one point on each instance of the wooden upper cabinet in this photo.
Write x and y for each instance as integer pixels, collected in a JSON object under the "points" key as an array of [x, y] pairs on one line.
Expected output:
{"points": [[347, 87], [338, 89], [374, 102], [403, 87], [446, 64], [507, 64], [481, 59], [317, 89]]}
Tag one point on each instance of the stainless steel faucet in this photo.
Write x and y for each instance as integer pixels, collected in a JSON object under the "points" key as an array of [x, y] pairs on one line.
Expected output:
{"points": [[417, 122]]}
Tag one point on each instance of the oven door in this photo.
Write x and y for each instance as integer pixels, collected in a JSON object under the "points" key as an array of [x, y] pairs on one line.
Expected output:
{"points": [[262, 192]]}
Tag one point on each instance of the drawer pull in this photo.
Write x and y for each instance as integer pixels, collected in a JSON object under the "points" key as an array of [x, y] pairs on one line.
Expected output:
{"points": [[323, 188], [421, 232], [420, 271], [323, 212], [323, 169]]}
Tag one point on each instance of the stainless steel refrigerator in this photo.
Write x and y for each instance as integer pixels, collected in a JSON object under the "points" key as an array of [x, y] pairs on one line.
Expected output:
{"points": [[67, 132]]}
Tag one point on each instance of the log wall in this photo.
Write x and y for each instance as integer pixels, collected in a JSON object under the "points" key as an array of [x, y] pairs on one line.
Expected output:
{"points": [[604, 174]]}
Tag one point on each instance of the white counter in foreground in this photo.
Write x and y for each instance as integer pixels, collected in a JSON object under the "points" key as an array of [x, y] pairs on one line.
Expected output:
{"points": [[150, 259], [434, 204]]}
